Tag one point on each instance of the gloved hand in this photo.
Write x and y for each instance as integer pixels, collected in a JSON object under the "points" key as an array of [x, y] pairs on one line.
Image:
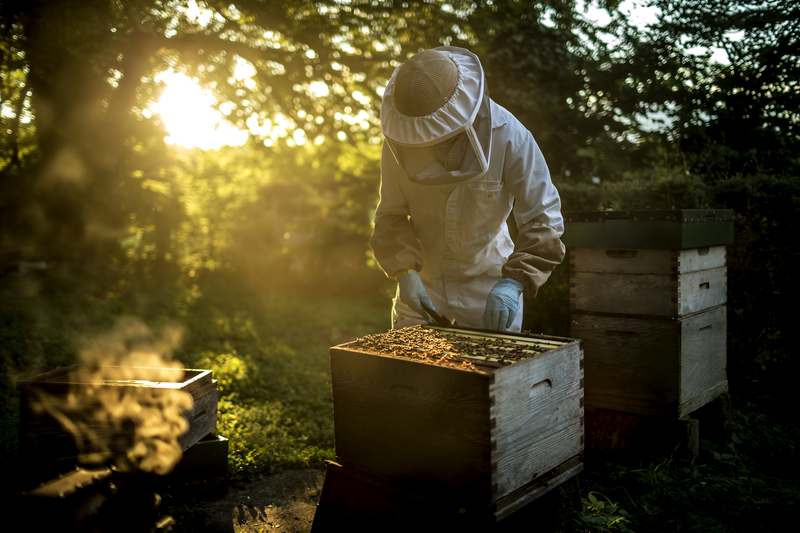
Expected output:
{"points": [[412, 293], [502, 305]]}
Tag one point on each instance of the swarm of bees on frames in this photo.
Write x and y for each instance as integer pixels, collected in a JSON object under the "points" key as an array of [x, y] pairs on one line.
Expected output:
{"points": [[470, 352]]}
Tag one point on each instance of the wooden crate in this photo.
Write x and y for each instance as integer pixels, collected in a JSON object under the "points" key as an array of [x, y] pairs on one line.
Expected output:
{"points": [[484, 431], [63, 393], [650, 282], [653, 366]]}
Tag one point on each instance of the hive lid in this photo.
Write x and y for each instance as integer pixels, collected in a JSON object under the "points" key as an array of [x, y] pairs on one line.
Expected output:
{"points": [[670, 229], [61, 379]]}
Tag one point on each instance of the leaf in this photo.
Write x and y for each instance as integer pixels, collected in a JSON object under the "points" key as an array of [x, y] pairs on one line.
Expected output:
{"points": [[596, 520]]}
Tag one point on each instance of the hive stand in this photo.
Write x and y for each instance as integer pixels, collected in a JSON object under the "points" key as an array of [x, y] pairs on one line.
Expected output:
{"points": [[647, 296]]}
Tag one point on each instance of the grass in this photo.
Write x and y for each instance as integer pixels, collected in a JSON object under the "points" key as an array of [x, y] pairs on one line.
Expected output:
{"points": [[269, 352]]}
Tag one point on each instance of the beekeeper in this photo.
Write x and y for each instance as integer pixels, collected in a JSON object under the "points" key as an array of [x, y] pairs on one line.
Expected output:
{"points": [[454, 166]]}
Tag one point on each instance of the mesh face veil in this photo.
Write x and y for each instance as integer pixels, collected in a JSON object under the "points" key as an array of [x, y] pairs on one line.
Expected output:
{"points": [[436, 117]]}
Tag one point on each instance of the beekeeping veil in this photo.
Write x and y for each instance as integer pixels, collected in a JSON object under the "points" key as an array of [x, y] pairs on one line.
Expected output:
{"points": [[436, 117]]}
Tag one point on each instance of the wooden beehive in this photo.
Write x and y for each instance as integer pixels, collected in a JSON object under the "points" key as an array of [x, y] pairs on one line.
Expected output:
{"points": [[48, 397], [492, 420], [647, 294]]}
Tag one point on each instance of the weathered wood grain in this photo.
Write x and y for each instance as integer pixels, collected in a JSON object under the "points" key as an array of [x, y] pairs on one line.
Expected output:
{"points": [[703, 350], [412, 420], [705, 258], [701, 290], [646, 261], [648, 294], [525, 495], [202, 417], [651, 365], [635, 294], [629, 359], [703, 398], [537, 411]]}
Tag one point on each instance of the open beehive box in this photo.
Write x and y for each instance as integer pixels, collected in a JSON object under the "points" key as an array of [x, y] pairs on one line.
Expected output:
{"points": [[83, 409], [493, 419]]}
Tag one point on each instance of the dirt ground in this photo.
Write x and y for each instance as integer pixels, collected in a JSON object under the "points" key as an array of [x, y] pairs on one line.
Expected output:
{"points": [[282, 503], [286, 503]]}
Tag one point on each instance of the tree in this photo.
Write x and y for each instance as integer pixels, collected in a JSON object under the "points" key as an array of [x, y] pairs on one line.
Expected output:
{"points": [[84, 70], [555, 71], [739, 115]]}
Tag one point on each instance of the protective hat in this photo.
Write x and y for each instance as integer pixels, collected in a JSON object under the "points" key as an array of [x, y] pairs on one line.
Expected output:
{"points": [[436, 117]]}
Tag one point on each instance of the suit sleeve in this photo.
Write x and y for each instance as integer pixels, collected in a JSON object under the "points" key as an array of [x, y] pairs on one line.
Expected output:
{"points": [[393, 240], [537, 212]]}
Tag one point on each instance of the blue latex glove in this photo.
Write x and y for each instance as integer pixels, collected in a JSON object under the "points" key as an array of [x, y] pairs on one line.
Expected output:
{"points": [[412, 293], [502, 305]]}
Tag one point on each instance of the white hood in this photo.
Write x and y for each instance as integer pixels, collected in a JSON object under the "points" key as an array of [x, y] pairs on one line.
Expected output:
{"points": [[468, 111]]}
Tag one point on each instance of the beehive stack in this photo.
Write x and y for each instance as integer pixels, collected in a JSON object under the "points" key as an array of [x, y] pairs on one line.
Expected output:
{"points": [[647, 294], [491, 421]]}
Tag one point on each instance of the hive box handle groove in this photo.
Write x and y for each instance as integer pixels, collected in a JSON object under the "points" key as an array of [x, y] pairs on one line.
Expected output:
{"points": [[540, 388]]}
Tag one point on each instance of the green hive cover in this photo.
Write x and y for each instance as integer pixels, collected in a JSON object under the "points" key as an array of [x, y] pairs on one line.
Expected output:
{"points": [[673, 229]]}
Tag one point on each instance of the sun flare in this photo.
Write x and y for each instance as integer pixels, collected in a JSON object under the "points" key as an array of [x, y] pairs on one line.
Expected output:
{"points": [[189, 115]]}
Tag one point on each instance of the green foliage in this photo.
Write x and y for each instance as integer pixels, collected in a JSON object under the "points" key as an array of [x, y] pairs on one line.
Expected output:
{"points": [[238, 244], [747, 484], [762, 263], [739, 115], [82, 75], [602, 515], [312, 219], [644, 190], [553, 69], [269, 353]]}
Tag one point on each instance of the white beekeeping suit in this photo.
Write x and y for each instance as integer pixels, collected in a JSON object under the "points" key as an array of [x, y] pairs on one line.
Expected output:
{"points": [[454, 166]]}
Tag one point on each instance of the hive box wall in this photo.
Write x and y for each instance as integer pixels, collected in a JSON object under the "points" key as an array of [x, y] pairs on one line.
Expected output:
{"points": [[653, 366], [538, 416], [412, 420], [647, 282], [645, 261]]}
